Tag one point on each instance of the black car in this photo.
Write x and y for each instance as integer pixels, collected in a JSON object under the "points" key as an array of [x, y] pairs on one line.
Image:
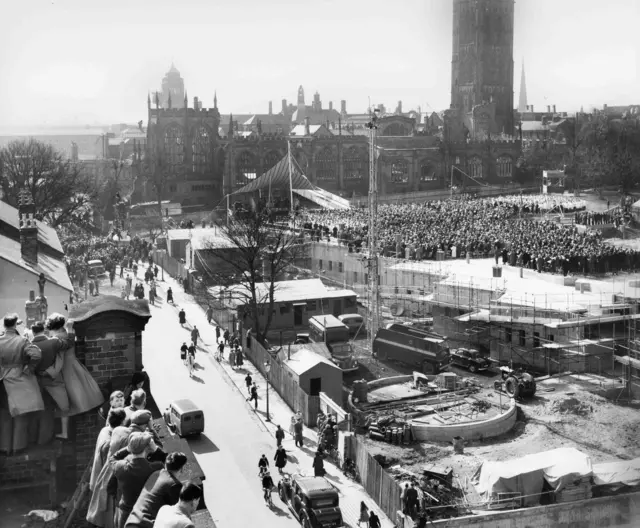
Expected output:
{"points": [[469, 359], [313, 500]]}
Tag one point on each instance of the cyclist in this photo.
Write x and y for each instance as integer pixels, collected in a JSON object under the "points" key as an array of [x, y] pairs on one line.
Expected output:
{"points": [[263, 463], [267, 486]]}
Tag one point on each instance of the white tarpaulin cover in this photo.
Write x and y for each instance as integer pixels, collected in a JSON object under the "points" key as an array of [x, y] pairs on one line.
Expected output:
{"points": [[617, 472], [527, 475]]}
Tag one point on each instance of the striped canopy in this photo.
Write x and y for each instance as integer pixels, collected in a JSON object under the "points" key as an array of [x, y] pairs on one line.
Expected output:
{"points": [[278, 177]]}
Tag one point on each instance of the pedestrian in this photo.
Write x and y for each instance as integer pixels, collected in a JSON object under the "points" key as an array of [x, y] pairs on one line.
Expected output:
{"points": [[318, 465], [112, 275], [280, 458], [195, 333], [217, 334], [123, 293], [412, 500], [122, 269], [183, 352], [248, 380], [232, 359], [374, 520], [239, 357], [249, 338], [209, 314], [254, 396], [155, 272], [182, 317], [135, 270], [292, 426], [220, 351], [403, 498], [191, 358], [263, 462], [192, 350], [97, 285], [279, 435], [91, 286], [297, 430], [226, 336], [364, 514], [152, 296]]}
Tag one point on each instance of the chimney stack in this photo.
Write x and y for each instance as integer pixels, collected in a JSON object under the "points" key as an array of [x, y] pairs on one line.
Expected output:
{"points": [[532, 109], [307, 126], [196, 106], [604, 107], [330, 105], [548, 109], [399, 107], [270, 108], [343, 107], [284, 106], [554, 109], [28, 228]]}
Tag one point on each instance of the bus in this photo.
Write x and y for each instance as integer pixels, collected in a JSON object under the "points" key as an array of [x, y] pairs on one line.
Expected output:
{"points": [[419, 348]]}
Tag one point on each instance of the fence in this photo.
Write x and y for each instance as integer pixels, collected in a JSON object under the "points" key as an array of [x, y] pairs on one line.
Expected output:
{"points": [[279, 378], [380, 486], [173, 267]]}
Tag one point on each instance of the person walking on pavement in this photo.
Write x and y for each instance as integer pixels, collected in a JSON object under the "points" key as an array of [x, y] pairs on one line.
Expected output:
{"points": [[191, 359], [170, 295], [183, 352], [254, 396], [364, 515], [279, 435], [248, 380], [209, 313], [155, 272], [280, 458], [374, 520], [220, 352], [232, 359], [318, 465], [91, 286], [182, 317], [217, 334], [297, 429], [263, 462], [195, 333], [152, 296], [226, 336], [112, 275]]}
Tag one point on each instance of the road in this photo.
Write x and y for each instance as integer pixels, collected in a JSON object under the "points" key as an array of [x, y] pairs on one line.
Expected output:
{"points": [[234, 437]]}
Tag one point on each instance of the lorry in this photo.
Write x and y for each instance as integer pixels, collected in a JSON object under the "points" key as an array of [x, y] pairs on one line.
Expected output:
{"points": [[328, 329], [419, 348]]}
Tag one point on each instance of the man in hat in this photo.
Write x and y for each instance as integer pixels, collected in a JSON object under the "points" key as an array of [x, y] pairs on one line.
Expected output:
{"points": [[18, 361], [49, 370], [179, 516]]}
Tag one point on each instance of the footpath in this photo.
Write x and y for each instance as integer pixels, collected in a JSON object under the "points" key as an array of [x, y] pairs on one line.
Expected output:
{"points": [[351, 493]]}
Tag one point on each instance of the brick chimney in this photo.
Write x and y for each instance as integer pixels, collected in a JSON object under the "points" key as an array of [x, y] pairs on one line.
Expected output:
{"points": [[330, 105], [284, 106], [554, 109], [307, 126], [343, 107], [270, 108], [532, 109], [548, 109], [28, 228], [399, 107]]}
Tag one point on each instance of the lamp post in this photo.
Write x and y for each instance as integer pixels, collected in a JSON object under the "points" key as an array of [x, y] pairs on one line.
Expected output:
{"points": [[267, 368]]}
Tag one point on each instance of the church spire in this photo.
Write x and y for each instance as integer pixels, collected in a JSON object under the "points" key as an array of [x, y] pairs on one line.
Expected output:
{"points": [[148, 100], [522, 103], [215, 99], [186, 100]]}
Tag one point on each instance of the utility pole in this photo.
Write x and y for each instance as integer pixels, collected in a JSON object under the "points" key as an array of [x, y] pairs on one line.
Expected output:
{"points": [[373, 293]]}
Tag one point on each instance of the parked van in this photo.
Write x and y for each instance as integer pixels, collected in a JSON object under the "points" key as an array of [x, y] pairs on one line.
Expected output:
{"points": [[328, 329], [95, 268], [185, 418], [355, 323], [427, 351]]}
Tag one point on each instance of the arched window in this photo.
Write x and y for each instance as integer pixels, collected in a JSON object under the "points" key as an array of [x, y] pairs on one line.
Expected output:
{"points": [[355, 165], [245, 168], [399, 172], [394, 129], [174, 145], [270, 160], [325, 165], [504, 167], [428, 172], [201, 150], [474, 168]]}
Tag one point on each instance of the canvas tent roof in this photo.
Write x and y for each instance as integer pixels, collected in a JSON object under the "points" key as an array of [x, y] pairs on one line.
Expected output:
{"points": [[618, 472], [527, 475], [277, 177]]}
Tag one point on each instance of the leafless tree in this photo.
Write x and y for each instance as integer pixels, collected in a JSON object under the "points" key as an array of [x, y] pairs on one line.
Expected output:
{"points": [[256, 252], [157, 171], [60, 189]]}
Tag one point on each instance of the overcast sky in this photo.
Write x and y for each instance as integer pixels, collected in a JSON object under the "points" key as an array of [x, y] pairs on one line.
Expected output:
{"points": [[89, 61]]}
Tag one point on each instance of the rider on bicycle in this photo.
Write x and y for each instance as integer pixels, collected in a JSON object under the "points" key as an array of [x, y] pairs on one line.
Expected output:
{"points": [[263, 463], [267, 483]]}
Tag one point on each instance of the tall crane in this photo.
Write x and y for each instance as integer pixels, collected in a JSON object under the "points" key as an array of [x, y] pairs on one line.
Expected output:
{"points": [[373, 294]]}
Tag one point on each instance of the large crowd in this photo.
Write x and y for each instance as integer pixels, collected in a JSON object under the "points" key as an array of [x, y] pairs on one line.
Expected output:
{"points": [[510, 228]]}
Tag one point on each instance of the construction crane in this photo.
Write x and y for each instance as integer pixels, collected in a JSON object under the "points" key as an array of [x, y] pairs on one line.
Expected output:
{"points": [[373, 294]]}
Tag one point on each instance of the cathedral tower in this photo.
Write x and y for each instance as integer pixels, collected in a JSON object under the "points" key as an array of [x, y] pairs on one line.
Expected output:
{"points": [[172, 86], [482, 59]]}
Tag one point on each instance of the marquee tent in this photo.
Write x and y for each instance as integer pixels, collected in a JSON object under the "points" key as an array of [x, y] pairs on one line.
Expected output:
{"points": [[527, 475], [278, 177]]}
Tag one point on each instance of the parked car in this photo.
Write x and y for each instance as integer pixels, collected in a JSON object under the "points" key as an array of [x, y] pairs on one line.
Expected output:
{"points": [[312, 500], [355, 323], [469, 359]]}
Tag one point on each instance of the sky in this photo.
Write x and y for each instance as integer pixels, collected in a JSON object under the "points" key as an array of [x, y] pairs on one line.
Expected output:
{"points": [[77, 62]]}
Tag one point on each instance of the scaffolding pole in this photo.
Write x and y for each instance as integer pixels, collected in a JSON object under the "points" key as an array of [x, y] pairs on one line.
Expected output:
{"points": [[373, 264]]}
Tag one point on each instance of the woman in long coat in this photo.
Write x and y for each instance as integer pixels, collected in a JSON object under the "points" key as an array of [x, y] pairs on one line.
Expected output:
{"points": [[280, 458]]}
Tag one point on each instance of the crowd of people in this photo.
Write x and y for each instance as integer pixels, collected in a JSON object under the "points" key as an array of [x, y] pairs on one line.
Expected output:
{"points": [[501, 227]]}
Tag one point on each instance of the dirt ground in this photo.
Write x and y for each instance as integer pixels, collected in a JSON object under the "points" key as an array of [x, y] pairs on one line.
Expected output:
{"points": [[567, 416]]}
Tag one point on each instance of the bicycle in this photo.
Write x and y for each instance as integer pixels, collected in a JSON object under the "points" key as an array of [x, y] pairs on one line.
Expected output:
{"points": [[267, 496], [350, 470]]}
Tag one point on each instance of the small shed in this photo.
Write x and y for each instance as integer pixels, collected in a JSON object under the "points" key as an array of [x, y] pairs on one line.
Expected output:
{"points": [[314, 373]]}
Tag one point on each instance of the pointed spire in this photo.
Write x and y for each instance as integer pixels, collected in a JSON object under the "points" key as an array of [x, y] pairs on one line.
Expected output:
{"points": [[230, 134], [148, 100], [186, 100], [157, 100], [215, 99], [522, 103]]}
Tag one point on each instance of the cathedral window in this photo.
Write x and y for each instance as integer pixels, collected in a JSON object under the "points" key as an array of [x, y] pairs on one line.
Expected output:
{"points": [[270, 160], [325, 165], [201, 150], [504, 167], [474, 167], [245, 168], [428, 172], [399, 172], [174, 145], [355, 165]]}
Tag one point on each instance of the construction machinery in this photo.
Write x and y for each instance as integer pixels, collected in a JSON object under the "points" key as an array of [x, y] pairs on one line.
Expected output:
{"points": [[516, 383]]}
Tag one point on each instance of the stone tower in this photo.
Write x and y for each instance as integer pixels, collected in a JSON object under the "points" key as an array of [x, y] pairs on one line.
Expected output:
{"points": [[172, 87], [300, 97], [482, 59]]}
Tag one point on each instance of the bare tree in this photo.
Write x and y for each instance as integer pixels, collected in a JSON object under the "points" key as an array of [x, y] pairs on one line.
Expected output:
{"points": [[61, 191], [157, 171], [253, 252]]}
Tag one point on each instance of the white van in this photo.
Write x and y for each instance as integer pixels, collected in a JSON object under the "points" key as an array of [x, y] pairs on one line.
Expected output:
{"points": [[355, 322]]}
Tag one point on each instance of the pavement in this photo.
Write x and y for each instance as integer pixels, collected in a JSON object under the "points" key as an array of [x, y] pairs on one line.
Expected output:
{"points": [[235, 434]]}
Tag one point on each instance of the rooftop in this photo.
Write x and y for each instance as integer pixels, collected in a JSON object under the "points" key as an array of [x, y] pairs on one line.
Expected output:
{"points": [[304, 360]]}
